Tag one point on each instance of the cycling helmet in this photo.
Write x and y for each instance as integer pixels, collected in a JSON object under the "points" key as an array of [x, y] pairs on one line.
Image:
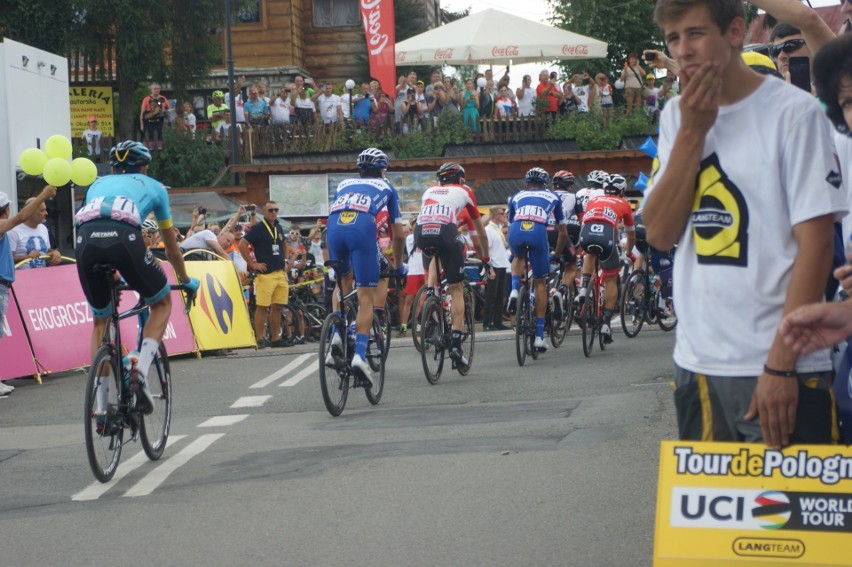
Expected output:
{"points": [[615, 184], [150, 224], [450, 172], [597, 178], [129, 155], [218, 94], [372, 158], [536, 176], [563, 179]]}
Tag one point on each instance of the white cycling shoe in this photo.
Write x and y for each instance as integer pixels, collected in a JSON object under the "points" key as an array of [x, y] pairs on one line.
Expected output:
{"points": [[362, 369], [540, 345]]}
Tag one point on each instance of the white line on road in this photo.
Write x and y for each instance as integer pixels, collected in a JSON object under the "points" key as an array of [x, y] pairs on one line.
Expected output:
{"points": [[97, 489], [223, 420], [250, 402], [300, 376], [157, 476], [279, 373]]}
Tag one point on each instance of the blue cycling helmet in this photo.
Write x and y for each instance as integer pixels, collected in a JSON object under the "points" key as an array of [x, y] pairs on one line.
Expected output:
{"points": [[537, 176], [372, 158], [129, 155]]}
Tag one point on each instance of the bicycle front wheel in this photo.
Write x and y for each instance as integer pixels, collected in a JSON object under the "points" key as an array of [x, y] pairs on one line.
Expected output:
{"points": [[469, 328], [104, 433], [521, 325], [155, 426], [376, 357], [432, 339], [334, 376], [415, 317], [633, 304], [589, 321]]}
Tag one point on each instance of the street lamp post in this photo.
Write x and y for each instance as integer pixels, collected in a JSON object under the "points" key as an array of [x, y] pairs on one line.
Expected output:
{"points": [[350, 84], [235, 154]]}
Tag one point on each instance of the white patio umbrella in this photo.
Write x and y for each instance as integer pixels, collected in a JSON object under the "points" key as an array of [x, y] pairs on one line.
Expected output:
{"points": [[495, 37]]}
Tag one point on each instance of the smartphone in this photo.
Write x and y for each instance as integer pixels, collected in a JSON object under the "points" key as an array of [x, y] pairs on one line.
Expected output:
{"points": [[650, 56], [800, 72], [251, 208]]}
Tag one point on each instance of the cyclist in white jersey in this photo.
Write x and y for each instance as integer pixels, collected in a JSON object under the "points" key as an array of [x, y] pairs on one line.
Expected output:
{"points": [[596, 179]]}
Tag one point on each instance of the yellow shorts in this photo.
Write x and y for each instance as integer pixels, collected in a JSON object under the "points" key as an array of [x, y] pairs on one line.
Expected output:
{"points": [[271, 289]]}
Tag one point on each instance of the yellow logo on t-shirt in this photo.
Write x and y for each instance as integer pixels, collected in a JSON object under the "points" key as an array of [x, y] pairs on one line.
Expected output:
{"points": [[719, 218], [347, 217]]}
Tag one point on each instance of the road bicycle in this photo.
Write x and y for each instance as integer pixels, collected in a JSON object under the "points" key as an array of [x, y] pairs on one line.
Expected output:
{"points": [[559, 321], [641, 303], [105, 434], [525, 325], [336, 374], [303, 315], [436, 327], [590, 317]]}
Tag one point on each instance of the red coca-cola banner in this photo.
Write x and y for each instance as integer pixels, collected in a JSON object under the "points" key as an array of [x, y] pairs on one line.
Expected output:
{"points": [[377, 16]]}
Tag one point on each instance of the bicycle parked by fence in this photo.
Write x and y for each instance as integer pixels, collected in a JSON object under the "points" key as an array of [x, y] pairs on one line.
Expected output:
{"points": [[105, 434]]}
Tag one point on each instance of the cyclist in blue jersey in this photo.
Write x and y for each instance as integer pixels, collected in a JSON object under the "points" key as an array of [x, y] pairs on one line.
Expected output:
{"points": [[528, 213], [352, 241], [109, 232]]}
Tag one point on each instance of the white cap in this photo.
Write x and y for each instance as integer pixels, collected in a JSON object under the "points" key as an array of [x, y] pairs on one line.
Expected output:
{"points": [[4, 199]]}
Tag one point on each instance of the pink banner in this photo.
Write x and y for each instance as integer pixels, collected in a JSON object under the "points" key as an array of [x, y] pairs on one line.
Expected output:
{"points": [[379, 27], [15, 354]]}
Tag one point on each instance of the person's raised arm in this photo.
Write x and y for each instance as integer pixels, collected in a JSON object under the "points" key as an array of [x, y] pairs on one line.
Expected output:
{"points": [[814, 29], [48, 192]]}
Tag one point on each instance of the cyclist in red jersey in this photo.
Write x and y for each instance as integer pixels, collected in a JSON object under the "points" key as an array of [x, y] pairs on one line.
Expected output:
{"points": [[601, 219]]}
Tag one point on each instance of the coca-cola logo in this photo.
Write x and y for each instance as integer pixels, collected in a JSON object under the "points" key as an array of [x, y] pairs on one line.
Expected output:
{"points": [[372, 15], [507, 51], [575, 50], [443, 54]]}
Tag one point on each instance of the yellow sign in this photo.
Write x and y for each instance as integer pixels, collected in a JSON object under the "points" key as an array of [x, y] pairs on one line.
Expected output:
{"points": [[741, 504], [219, 318], [91, 101]]}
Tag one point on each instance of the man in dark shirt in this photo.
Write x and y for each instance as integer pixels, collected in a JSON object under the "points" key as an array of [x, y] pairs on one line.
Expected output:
{"points": [[270, 285]]}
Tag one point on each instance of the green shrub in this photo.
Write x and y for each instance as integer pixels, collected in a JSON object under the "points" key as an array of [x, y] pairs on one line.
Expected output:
{"points": [[186, 161]]}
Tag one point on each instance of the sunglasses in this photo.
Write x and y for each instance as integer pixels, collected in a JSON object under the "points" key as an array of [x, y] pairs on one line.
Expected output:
{"points": [[788, 47], [275, 210]]}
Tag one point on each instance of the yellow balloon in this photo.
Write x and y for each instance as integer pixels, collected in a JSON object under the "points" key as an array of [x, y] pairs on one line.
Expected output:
{"points": [[32, 161], [57, 172], [58, 146], [83, 171]]}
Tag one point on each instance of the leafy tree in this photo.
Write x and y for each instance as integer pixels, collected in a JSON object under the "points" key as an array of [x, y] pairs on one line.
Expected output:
{"points": [[626, 25]]}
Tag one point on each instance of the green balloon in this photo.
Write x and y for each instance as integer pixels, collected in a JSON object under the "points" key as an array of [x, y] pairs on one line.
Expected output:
{"points": [[58, 146], [57, 172], [32, 161], [83, 172]]}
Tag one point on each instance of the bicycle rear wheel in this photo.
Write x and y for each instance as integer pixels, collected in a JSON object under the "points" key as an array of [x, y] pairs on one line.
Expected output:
{"points": [[385, 320], [334, 377], [313, 321], [589, 320], [521, 324], [104, 434], [531, 327], [154, 432], [559, 327], [416, 311], [469, 328], [432, 339], [291, 324], [376, 357], [633, 304], [666, 323]]}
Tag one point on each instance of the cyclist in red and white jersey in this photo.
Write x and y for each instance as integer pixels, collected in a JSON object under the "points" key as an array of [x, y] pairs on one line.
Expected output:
{"points": [[440, 209], [596, 179], [601, 219]]}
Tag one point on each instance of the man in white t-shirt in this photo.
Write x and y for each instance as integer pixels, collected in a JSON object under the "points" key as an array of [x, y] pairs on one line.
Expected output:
{"points": [[280, 108], [753, 223], [328, 105], [31, 240], [204, 240]]}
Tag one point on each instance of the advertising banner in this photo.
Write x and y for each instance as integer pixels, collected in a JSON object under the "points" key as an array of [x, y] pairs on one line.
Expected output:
{"points": [[742, 504], [220, 318], [377, 16], [91, 101], [14, 346]]}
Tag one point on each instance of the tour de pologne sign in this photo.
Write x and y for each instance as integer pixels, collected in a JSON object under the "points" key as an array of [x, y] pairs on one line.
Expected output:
{"points": [[744, 504]]}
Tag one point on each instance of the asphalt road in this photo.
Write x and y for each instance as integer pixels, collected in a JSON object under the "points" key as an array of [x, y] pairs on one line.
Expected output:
{"points": [[554, 463]]}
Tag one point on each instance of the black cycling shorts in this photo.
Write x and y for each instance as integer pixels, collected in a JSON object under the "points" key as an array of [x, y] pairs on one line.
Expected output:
{"points": [[450, 246], [599, 238], [568, 254], [121, 245]]}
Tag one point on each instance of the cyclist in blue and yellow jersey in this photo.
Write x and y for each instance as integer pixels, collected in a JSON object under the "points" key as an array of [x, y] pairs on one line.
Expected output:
{"points": [[109, 232], [352, 241], [528, 213]]}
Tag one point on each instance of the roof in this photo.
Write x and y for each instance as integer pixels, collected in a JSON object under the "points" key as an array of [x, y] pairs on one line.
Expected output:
{"points": [[513, 148], [758, 31]]}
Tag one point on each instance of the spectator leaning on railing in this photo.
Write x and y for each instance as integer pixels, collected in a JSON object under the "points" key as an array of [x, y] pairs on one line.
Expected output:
{"points": [[30, 240]]}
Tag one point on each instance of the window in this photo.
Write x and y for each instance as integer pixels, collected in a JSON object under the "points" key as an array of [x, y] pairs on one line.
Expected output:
{"points": [[331, 13], [247, 13]]}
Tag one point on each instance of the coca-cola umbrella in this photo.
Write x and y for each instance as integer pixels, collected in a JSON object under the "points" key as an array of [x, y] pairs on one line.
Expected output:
{"points": [[495, 37]]}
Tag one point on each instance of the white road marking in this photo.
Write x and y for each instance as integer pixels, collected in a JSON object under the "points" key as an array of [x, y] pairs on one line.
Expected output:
{"points": [[223, 420], [300, 376], [157, 476], [250, 402], [279, 373], [98, 489]]}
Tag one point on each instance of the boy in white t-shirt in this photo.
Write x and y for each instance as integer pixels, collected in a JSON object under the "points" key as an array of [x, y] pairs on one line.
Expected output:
{"points": [[754, 234], [92, 137]]}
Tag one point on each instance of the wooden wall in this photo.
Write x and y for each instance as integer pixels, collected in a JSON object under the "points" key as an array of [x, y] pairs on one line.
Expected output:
{"points": [[331, 52], [274, 42]]}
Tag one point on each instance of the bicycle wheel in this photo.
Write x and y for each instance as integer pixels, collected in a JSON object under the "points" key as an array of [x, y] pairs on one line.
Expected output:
{"points": [[386, 321], [290, 323], [154, 432], [531, 329], [633, 304], [568, 305], [558, 326], [469, 328], [377, 355], [588, 317], [432, 339], [334, 377], [104, 434], [314, 317], [521, 325], [414, 323], [666, 321]]}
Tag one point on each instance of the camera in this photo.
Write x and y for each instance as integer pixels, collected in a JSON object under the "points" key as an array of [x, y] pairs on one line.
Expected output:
{"points": [[251, 208], [650, 56], [202, 211]]}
